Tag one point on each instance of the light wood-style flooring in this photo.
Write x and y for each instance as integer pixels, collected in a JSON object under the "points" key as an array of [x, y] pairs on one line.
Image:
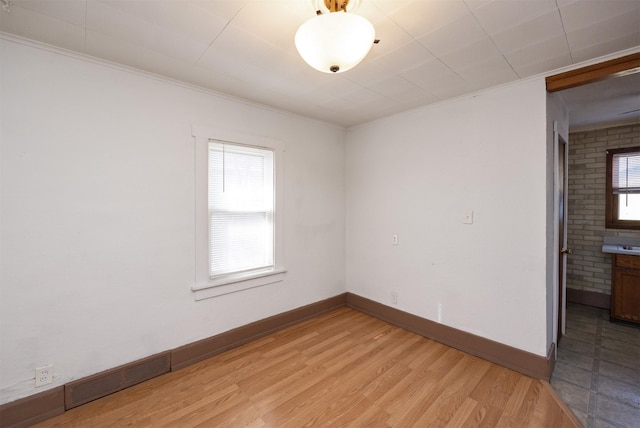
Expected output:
{"points": [[340, 369]]}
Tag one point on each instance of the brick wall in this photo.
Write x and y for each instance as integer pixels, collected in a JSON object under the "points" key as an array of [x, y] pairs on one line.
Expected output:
{"points": [[588, 268]]}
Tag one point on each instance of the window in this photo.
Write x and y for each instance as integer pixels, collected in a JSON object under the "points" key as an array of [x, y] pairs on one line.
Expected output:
{"points": [[238, 225], [240, 208], [623, 188]]}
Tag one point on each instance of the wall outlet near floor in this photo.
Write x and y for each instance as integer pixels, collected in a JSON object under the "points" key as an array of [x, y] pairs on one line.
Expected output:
{"points": [[394, 297], [44, 375]]}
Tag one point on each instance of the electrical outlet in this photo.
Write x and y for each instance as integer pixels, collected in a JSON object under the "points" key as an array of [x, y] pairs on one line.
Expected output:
{"points": [[394, 297], [44, 375]]}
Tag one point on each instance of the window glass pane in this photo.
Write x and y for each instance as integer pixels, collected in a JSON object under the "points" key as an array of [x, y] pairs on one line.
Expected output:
{"points": [[626, 173], [242, 241], [629, 207], [240, 208]]}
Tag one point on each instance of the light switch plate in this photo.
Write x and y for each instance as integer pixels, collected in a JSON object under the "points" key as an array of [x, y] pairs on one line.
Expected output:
{"points": [[468, 217]]}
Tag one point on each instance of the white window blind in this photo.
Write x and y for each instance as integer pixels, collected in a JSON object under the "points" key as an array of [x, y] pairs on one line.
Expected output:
{"points": [[626, 173], [241, 204]]}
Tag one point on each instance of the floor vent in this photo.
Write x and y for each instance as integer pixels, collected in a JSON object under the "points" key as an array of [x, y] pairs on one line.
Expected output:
{"points": [[93, 387]]}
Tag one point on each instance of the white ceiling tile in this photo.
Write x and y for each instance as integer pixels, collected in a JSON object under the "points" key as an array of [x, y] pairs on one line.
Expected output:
{"points": [[309, 85], [604, 31], [177, 46], [390, 6], [327, 86], [449, 87], [293, 86], [145, 10], [543, 65], [426, 73], [219, 59], [391, 36], [268, 97], [154, 29], [399, 89], [476, 4], [454, 36], [605, 48], [419, 102], [331, 114], [404, 57], [539, 52], [492, 72], [478, 52], [440, 84], [191, 22], [361, 96], [422, 17], [237, 47], [544, 27], [355, 105], [370, 11], [36, 26], [368, 72], [116, 50], [131, 27], [104, 18], [500, 15], [71, 11], [223, 9], [260, 19], [225, 83], [562, 3], [584, 13]]}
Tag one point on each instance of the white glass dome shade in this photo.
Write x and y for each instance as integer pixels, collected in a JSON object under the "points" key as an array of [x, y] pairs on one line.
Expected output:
{"points": [[335, 42]]}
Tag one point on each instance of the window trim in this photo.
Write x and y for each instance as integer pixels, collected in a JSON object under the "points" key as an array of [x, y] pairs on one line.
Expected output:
{"points": [[203, 286], [611, 209]]}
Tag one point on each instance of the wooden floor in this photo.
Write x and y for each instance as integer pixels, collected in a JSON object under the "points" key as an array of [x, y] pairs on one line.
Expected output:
{"points": [[343, 369]]}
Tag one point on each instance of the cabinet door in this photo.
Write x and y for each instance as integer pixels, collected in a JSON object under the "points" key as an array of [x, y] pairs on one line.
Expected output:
{"points": [[626, 295]]}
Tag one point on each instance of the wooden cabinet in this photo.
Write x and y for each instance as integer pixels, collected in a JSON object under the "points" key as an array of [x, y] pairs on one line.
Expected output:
{"points": [[625, 288]]}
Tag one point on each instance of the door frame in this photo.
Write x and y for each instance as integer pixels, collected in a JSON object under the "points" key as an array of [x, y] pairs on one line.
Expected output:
{"points": [[561, 199], [558, 82]]}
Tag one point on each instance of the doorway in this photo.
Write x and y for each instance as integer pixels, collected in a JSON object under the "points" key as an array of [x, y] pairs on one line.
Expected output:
{"points": [[617, 67], [562, 156]]}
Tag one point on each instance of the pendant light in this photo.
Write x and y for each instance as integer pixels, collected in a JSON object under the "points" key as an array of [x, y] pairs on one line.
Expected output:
{"points": [[337, 41]]}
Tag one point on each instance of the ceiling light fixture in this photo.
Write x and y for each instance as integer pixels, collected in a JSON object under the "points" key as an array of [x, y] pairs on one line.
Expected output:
{"points": [[337, 41]]}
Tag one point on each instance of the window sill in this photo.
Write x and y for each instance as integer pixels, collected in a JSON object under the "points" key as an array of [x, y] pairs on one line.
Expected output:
{"points": [[623, 224], [233, 284]]}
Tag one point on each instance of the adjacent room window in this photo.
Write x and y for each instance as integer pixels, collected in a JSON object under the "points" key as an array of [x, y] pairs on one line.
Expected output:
{"points": [[238, 212], [623, 188], [241, 199]]}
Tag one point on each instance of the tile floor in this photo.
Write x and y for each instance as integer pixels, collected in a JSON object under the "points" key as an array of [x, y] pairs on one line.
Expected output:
{"points": [[597, 373]]}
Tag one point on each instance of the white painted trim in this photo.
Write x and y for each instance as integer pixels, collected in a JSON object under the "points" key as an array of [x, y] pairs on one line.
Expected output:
{"points": [[203, 286], [234, 284]]}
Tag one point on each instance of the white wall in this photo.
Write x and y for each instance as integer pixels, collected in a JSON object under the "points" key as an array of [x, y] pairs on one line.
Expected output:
{"points": [[97, 244], [415, 174]]}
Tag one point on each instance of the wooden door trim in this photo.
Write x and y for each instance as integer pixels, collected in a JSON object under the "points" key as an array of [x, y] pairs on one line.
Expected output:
{"points": [[592, 73]]}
